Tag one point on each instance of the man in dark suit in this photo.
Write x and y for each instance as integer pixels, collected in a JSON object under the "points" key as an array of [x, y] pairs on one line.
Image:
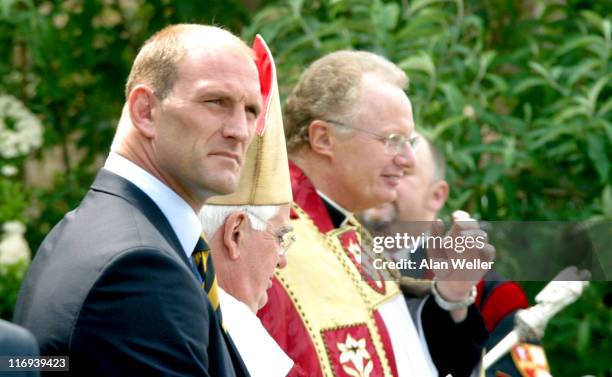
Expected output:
{"points": [[115, 285]]}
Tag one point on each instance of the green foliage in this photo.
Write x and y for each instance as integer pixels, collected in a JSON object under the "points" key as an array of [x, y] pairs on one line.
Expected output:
{"points": [[9, 286], [13, 202], [516, 94]]}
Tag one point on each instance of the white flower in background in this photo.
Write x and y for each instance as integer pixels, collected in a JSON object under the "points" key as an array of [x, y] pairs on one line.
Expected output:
{"points": [[8, 170], [469, 112], [13, 246], [20, 130]]}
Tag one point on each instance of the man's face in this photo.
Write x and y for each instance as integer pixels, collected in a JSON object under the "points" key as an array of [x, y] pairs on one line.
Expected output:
{"points": [[367, 174], [414, 191], [206, 123], [259, 256]]}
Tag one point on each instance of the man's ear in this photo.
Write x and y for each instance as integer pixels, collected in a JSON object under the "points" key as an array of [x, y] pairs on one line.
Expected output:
{"points": [[141, 102], [233, 232], [321, 138], [438, 195]]}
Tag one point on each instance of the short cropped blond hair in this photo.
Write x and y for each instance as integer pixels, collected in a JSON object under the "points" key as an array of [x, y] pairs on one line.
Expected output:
{"points": [[330, 89], [157, 61]]}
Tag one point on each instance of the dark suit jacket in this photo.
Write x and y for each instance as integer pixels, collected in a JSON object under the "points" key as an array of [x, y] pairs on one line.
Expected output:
{"points": [[112, 288]]}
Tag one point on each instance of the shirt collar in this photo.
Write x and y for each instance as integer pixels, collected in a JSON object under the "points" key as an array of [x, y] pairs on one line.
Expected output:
{"points": [[344, 215], [180, 215]]}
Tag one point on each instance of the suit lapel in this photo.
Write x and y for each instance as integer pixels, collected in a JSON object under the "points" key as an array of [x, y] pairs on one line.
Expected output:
{"points": [[113, 184]]}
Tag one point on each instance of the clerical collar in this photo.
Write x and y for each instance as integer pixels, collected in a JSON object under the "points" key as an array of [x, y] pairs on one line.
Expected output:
{"points": [[339, 216]]}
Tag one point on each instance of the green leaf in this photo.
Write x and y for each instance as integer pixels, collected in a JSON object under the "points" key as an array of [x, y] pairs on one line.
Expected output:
{"points": [[485, 60], [417, 5], [528, 111], [578, 42], [446, 124], [269, 22], [422, 29], [455, 98], [465, 160], [583, 336], [5, 9], [596, 89], [419, 62], [607, 31], [550, 75], [546, 134], [296, 6], [463, 198], [509, 152], [605, 108], [597, 154], [527, 84], [607, 126], [492, 174], [571, 112], [594, 19], [540, 69], [606, 201], [498, 82], [585, 69], [385, 16]]}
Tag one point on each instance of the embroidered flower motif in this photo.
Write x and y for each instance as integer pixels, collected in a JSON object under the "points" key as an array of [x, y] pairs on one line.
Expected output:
{"points": [[354, 352]]}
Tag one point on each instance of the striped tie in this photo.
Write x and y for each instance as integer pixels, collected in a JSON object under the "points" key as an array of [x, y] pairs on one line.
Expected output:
{"points": [[206, 269]]}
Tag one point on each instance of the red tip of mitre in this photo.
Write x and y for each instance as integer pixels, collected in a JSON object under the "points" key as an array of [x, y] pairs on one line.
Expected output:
{"points": [[265, 67]]}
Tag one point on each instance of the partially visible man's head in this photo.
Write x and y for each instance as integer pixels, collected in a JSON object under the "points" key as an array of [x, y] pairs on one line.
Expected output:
{"points": [[423, 192], [337, 118], [192, 98], [247, 244]]}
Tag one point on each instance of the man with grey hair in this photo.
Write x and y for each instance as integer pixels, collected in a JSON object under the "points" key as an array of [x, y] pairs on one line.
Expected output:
{"points": [[248, 243], [118, 284], [349, 130]]}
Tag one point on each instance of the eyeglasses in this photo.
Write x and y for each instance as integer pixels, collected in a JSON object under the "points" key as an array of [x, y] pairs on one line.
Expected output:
{"points": [[284, 236], [394, 143]]}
